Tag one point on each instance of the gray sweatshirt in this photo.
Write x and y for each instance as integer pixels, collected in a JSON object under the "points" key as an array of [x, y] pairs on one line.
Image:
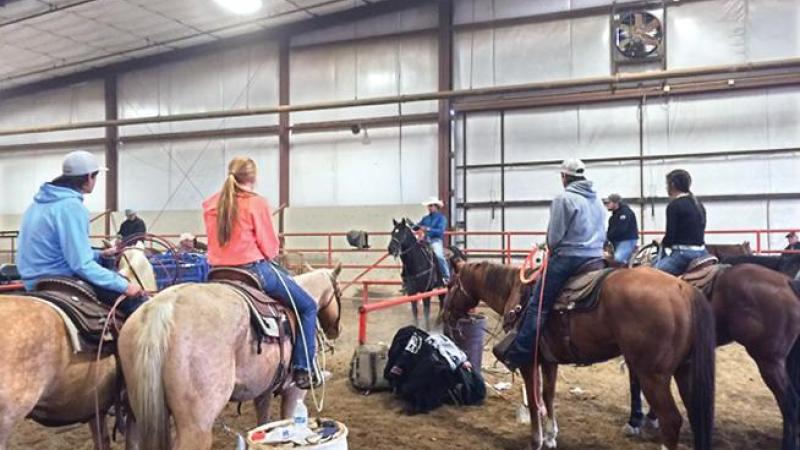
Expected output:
{"points": [[577, 222]]}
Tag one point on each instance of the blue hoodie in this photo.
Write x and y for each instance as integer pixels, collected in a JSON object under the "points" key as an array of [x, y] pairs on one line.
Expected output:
{"points": [[577, 222], [54, 240]]}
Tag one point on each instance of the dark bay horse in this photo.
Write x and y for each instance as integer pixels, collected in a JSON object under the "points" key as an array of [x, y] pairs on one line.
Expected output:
{"points": [[661, 325], [787, 263], [420, 267]]}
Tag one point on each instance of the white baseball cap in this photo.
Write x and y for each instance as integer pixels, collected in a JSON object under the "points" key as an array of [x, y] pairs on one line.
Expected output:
{"points": [[80, 163], [574, 167]]}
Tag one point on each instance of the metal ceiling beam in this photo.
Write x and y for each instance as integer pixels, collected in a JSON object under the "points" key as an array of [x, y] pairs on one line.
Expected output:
{"points": [[267, 35], [703, 198]]}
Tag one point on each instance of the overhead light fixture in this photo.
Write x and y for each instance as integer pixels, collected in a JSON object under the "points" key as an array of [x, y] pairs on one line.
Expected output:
{"points": [[241, 7]]}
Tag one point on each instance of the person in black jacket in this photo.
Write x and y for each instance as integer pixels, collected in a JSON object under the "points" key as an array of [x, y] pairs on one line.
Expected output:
{"points": [[131, 226], [794, 243], [623, 231], [686, 225]]}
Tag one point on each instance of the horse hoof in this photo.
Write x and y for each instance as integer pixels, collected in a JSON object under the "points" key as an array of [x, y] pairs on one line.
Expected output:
{"points": [[652, 424], [550, 443], [631, 431]]}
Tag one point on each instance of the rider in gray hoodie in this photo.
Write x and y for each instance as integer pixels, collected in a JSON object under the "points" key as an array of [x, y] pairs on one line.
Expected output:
{"points": [[575, 236]]}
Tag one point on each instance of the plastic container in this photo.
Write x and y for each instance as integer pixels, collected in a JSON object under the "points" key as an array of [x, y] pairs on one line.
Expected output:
{"points": [[190, 268], [337, 442], [470, 338]]}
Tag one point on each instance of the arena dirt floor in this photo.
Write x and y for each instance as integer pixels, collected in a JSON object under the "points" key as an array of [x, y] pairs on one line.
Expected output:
{"points": [[590, 417]]}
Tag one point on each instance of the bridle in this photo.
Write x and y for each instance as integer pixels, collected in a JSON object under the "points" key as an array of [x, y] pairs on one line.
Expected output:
{"points": [[456, 284], [337, 295], [399, 243]]}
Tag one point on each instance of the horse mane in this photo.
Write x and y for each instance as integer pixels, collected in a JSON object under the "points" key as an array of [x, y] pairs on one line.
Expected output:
{"points": [[494, 281]]}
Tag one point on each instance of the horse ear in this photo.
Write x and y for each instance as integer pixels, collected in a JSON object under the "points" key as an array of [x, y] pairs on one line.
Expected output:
{"points": [[337, 270], [394, 221], [308, 267]]}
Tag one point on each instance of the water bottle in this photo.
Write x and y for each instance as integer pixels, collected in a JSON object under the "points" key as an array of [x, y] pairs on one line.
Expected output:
{"points": [[300, 417]]}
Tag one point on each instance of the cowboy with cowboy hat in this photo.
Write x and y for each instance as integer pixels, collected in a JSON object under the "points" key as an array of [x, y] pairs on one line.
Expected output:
{"points": [[433, 226]]}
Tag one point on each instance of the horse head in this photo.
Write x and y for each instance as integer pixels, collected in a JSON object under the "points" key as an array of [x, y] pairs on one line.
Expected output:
{"points": [[402, 238], [461, 297], [330, 307]]}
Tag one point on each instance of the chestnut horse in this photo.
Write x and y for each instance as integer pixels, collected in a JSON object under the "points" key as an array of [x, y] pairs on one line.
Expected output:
{"points": [[661, 325], [191, 349], [757, 307], [42, 377]]}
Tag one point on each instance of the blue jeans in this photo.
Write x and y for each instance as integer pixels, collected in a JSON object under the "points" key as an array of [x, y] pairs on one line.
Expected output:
{"points": [[623, 250], [559, 270], [438, 249], [302, 354], [677, 261]]}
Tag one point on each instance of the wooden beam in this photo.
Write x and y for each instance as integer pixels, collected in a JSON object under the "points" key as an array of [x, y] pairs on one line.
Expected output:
{"points": [[283, 128], [445, 39], [112, 153]]}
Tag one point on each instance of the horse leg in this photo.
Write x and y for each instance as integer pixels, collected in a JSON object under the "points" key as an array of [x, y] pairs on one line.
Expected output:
{"points": [[14, 406], [415, 313], [532, 391], [549, 378], [289, 398], [656, 389], [426, 310], [261, 405], [131, 433], [100, 436], [773, 371]]}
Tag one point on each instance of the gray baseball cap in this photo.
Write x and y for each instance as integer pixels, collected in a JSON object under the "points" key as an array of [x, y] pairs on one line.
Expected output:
{"points": [[614, 198], [80, 163], [574, 167]]}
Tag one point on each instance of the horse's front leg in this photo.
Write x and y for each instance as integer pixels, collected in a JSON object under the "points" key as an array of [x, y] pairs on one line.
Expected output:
{"points": [[262, 404], [532, 392], [549, 378], [100, 436]]}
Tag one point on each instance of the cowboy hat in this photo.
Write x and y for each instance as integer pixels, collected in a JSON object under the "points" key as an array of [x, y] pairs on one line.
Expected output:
{"points": [[433, 201]]}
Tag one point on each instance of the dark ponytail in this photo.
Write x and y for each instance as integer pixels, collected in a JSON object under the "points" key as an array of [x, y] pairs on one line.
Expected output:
{"points": [[681, 181]]}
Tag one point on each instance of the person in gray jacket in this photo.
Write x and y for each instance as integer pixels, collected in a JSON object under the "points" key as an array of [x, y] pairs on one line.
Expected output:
{"points": [[575, 235]]}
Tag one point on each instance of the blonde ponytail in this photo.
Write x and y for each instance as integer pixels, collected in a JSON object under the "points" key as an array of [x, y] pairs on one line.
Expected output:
{"points": [[240, 170]]}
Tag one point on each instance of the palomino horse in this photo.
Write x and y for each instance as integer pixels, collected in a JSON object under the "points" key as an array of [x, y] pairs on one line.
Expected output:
{"points": [[661, 325], [421, 271], [757, 307], [42, 377], [191, 349]]}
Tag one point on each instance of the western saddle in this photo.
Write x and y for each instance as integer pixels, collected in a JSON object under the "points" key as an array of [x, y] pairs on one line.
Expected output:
{"points": [[84, 314], [702, 272]]}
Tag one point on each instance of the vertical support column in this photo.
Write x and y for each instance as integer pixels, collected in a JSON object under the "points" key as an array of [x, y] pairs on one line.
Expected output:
{"points": [[111, 151], [283, 130], [445, 38]]}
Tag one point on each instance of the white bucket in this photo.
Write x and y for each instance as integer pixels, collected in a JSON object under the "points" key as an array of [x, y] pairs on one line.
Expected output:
{"points": [[338, 442]]}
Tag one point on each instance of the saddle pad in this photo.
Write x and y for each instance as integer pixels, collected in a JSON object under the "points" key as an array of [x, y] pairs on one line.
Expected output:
{"points": [[581, 291], [270, 318], [704, 277], [88, 316], [72, 330]]}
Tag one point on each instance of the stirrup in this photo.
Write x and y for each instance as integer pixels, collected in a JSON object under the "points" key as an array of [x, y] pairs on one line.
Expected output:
{"points": [[500, 350]]}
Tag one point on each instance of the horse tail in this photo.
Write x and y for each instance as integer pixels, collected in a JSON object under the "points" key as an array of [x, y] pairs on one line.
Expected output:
{"points": [[701, 362], [147, 396]]}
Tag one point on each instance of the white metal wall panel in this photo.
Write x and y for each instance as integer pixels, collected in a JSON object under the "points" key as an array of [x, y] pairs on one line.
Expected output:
{"points": [[336, 168], [484, 220], [531, 53], [608, 130], [483, 138], [363, 70], [707, 33], [77, 103], [240, 78], [783, 109], [590, 38], [772, 29], [402, 21], [21, 174], [180, 175], [547, 133], [473, 59]]}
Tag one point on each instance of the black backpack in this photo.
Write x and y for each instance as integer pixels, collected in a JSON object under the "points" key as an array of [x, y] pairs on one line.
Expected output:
{"points": [[420, 376]]}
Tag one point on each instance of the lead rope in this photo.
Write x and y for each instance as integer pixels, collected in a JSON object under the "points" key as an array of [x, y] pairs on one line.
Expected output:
{"points": [[312, 368], [542, 272]]}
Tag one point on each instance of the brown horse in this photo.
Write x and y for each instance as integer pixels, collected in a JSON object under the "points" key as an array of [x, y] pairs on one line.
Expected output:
{"points": [[191, 349], [756, 307], [44, 378], [661, 325]]}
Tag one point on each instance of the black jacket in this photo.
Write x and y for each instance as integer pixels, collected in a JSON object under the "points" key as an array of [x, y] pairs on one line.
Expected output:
{"points": [[131, 227], [622, 225]]}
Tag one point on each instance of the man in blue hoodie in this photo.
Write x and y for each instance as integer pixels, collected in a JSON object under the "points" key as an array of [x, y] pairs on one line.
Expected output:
{"points": [[575, 236], [54, 235], [434, 225]]}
